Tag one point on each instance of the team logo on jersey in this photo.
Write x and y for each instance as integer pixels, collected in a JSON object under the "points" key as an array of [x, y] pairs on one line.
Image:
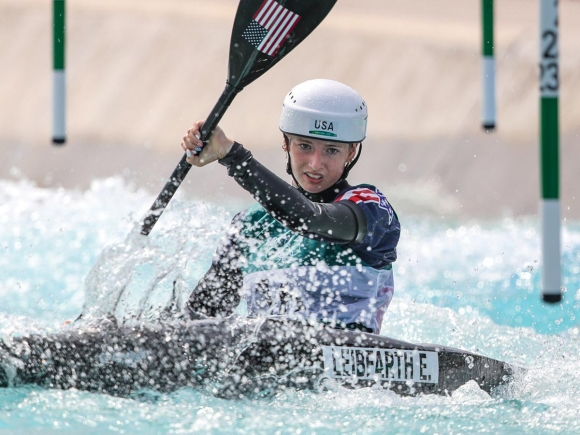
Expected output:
{"points": [[367, 195]]}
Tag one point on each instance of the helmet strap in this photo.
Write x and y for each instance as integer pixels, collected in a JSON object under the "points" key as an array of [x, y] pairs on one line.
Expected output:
{"points": [[287, 149], [288, 161], [351, 164]]}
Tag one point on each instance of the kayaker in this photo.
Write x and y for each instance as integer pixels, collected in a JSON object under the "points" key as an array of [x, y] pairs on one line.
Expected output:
{"points": [[319, 250]]}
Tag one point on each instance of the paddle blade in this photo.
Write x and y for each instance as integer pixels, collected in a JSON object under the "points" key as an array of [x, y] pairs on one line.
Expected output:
{"points": [[267, 30]]}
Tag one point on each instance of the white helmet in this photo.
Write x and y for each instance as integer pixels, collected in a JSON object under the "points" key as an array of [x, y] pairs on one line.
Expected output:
{"points": [[325, 109]]}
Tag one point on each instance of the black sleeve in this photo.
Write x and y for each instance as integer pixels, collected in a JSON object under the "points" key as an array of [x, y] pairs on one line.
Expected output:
{"points": [[339, 222], [217, 294]]}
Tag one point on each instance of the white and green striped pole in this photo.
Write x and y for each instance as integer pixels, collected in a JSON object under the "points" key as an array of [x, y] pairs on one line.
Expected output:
{"points": [[488, 65], [549, 144], [59, 78]]}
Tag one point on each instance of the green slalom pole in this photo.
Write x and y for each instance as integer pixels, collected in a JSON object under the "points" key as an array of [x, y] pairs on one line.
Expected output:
{"points": [[59, 78], [488, 66], [549, 153]]}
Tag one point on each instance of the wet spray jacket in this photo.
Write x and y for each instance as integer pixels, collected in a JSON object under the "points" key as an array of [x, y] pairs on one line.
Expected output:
{"points": [[324, 257]]}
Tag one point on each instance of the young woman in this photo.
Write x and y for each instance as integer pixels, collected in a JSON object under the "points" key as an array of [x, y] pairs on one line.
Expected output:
{"points": [[319, 250]]}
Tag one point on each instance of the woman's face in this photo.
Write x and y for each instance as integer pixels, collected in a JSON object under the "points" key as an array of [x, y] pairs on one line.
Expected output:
{"points": [[318, 164]]}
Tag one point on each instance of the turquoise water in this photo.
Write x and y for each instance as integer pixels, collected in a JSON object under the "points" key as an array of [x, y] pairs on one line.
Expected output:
{"points": [[472, 285]]}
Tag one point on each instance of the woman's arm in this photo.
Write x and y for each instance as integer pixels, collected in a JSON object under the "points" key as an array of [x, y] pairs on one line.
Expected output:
{"points": [[217, 294], [342, 222]]}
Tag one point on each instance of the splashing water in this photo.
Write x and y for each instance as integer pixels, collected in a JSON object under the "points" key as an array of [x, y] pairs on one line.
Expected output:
{"points": [[469, 285], [142, 276]]}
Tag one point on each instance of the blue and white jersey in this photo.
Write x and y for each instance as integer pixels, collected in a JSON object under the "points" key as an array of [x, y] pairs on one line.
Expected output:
{"points": [[378, 247], [289, 274]]}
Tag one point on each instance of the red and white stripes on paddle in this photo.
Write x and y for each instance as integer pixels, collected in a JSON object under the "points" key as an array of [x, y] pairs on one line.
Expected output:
{"points": [[270, 26]]}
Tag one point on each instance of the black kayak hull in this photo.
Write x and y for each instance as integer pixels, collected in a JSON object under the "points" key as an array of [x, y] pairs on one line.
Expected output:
{"points": [[237, 357]]}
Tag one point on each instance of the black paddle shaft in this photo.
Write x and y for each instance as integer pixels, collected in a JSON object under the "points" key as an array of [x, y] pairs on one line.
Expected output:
{"points": [[264, 32], [183, 167]]}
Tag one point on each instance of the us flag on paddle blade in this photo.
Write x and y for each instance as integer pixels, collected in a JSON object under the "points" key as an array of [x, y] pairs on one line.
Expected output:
{"points": [[270, 26]]}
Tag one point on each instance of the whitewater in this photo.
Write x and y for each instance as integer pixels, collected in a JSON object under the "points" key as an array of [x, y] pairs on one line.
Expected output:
{"points": [[470, 284]]}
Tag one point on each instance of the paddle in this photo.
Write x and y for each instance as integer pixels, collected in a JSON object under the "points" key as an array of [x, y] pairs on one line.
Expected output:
{"points": [[264, 32]]}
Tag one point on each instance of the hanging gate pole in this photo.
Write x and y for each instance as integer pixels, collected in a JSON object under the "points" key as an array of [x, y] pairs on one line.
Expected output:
{"points": [[488, 66], [59, 82], [549, 151]]}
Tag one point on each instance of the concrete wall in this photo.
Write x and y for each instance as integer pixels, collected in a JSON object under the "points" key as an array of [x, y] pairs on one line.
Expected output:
{"points": [[141, 71]]}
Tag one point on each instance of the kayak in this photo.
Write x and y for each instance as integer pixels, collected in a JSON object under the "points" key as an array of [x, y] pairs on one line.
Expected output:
{"points": [[237, 357]]}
